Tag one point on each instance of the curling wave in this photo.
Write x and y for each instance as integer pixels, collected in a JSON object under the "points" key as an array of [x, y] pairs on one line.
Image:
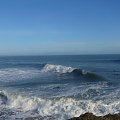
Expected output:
{"points": [[70, 70]]}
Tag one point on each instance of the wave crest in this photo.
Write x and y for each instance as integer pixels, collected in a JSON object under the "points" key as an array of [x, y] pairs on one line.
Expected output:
{"points": [[57, 68]]}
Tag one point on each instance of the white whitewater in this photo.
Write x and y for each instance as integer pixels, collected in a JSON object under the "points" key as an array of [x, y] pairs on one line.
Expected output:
{"points": [[61, 109], [57, 68]]}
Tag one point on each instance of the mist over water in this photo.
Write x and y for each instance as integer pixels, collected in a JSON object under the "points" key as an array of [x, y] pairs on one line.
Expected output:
{"points": [[59, 87]]}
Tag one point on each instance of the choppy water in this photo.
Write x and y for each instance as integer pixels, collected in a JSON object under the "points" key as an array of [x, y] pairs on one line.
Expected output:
{"points": [[59, 87]]}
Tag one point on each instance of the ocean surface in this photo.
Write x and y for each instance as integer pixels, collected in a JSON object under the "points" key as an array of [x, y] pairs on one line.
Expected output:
{"points": [[59, 87]]}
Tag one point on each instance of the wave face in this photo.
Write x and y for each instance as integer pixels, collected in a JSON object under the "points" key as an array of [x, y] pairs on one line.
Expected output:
{"points": [[58, 87], [3, 98]]}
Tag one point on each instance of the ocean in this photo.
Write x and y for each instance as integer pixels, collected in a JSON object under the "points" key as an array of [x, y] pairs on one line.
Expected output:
{"points": [[59, 87]]}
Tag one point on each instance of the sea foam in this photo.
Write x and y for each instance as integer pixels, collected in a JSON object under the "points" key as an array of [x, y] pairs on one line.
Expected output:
{"points": [[65, 108], [62, 108]]}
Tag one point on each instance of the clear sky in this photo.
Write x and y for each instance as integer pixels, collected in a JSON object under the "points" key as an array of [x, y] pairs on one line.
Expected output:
{"points": [[38, 27]]}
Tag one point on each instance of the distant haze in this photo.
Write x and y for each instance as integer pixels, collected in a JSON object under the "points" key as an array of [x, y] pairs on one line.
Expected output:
{"points": [[56, 27]]}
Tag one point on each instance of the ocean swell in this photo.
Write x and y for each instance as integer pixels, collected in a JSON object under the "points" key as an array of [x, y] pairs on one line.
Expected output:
{"points": [[13, 74]]}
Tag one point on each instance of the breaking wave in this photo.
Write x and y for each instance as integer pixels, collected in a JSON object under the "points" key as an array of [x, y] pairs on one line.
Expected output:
{"points": [[70, 70], [60, 109]]}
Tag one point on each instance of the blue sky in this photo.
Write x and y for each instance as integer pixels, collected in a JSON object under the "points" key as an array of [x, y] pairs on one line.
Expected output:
{"points": [[38, 27]]}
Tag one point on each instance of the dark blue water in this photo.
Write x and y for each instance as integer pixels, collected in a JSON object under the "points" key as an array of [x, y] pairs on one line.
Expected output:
{"points": [[59, 86]]}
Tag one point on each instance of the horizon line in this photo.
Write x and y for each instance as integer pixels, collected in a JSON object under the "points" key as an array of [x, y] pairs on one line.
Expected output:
{"points": [[58, 54]]}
